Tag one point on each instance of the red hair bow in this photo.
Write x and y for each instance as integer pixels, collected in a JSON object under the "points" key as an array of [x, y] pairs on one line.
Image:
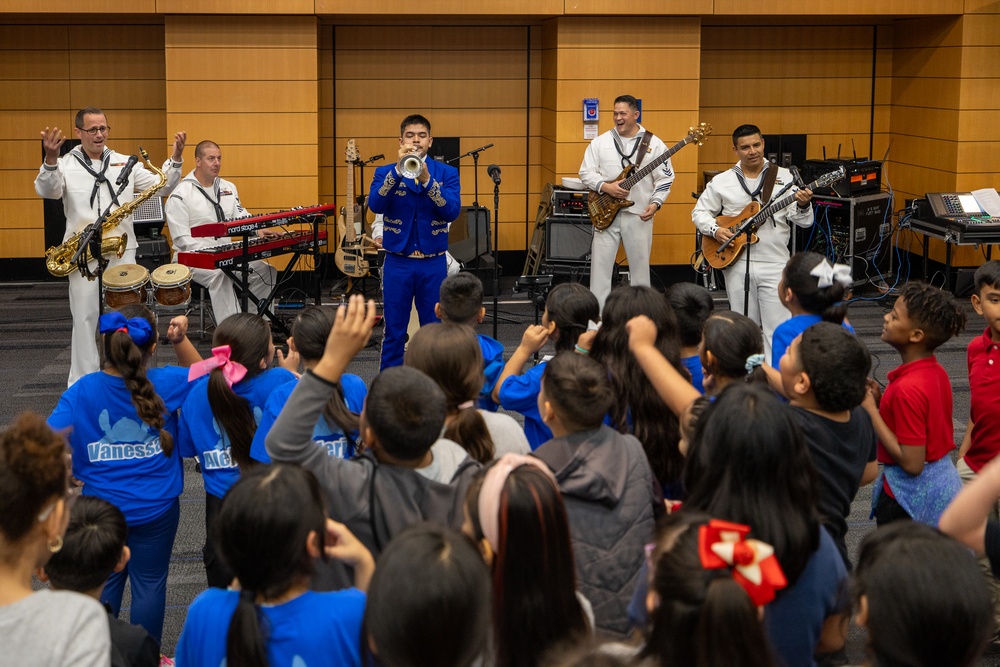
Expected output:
{"points": [[754, 566]]}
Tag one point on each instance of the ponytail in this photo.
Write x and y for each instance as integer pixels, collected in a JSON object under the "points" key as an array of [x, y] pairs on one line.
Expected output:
{"points": [[728, 613], [249, 338], [245, 638], [828, 301], [571, 307], [129, 358], [450, 354], [33, 472]]}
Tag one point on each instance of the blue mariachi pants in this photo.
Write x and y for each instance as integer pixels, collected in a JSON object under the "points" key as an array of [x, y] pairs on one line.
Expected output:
{"points": [[404, 280], [151, 545]]}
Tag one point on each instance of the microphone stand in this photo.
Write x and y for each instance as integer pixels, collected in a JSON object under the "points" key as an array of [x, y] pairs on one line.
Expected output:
{"points": [[475, 197], [361, 199], [496, 258], [93, 238]]}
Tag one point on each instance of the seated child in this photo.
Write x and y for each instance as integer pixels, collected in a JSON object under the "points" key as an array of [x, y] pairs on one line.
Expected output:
{"points": [[461, 302], [606, 482], [824, 373], [921, 598], [384, 490], [692, 305], [914, 419], [93, 548]]}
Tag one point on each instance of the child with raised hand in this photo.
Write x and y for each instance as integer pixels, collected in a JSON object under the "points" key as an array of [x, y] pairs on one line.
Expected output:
{"points": [[702, 608], [516, 515], [569, 309], [921, 598], [451, 356], [636, 407], [94, 547], [219, 418], [913, 421], [121, 427], [271, 527], [812, 289], [461, 302], [824, 375], [692, 305], [382, 491], [337, 429], [40, 627], [606, 481], [429, 601]]}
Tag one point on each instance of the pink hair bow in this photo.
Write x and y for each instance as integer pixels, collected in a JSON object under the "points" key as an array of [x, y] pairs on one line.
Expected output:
{"points": [[722, 544], [232, 371]]}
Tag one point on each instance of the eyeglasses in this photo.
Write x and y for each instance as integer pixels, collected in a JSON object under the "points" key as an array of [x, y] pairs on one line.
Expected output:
{"points": [[103, 129]]}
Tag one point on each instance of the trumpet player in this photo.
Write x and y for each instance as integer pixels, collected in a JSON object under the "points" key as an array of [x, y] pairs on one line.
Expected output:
{"points": [[86, 180], [418, 198]]}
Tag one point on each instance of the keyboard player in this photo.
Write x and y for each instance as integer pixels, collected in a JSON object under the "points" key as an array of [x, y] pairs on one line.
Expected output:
{"points": [[203, 197]]}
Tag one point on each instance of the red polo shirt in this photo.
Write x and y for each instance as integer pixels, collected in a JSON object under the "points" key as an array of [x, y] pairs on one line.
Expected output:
{"points": [[984, 370], [917, 407]]}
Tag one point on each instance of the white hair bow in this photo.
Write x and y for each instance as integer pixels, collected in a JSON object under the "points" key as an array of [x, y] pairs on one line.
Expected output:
{"points": [[826, 273]]}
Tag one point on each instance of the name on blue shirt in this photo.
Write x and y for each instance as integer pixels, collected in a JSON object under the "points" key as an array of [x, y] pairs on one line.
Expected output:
{"points": [[103, 451]]}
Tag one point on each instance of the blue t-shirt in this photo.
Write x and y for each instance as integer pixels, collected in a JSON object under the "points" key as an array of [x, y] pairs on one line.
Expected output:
{"points": [[116, 455], [693, 365], [493, 364], [794, 620], [325, 434], [312, 630], [199, 434], [520, 393], [788, 330]]}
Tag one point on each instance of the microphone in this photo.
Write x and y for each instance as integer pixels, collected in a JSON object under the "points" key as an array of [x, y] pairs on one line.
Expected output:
{"points": [[494, 172], [797, 177], [123, 176]]}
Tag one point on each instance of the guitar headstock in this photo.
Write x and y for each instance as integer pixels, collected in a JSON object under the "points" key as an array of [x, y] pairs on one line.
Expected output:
{"points": [[829, 178], [696, 135], [351, 154]]}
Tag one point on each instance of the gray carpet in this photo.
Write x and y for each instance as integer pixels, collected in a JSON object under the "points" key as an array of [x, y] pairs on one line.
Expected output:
{"points": [[34, 343]]}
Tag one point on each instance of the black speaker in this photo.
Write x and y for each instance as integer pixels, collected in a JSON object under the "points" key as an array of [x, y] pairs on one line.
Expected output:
{"points": [[568, 239]]}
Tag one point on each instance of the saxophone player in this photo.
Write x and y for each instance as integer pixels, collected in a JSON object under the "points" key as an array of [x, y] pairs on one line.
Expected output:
{"points": [[85, 178]]}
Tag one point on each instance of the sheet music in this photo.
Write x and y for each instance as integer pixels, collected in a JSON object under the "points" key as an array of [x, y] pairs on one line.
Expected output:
{"points": [[989, 199]]}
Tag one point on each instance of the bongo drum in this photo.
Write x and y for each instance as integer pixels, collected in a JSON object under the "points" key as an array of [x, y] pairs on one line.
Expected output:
{"points": [[125, 285], [171, 285]]}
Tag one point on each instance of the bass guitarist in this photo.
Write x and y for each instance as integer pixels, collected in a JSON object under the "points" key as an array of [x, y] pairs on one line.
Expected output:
{"points": [[604, 160], [727, 195]]}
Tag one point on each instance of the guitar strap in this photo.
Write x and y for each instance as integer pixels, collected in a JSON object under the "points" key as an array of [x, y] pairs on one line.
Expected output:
{"points": [[643, 148]]}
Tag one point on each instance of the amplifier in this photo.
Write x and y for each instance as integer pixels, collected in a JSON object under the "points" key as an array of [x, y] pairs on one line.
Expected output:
{"points": [[568, 239], [864, 177], [852, 231], [569, 203]]}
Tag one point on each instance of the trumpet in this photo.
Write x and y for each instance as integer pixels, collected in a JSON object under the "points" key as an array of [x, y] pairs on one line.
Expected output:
{"points": [[410, 165]]}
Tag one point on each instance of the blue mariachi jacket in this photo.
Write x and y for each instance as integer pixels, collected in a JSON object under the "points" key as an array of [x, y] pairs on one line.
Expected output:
{"points": [[405, 203]]}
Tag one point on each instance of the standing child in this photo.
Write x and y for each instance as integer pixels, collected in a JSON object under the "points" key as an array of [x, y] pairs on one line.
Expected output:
{"points": [[120, 421], [389, 486], [461, 302], [93, 548], [450, 355], [219, 418], [606, 482], [270, 529], [824, 374], [336, 429], [692, 305], [517, 517], [812, 289], [914, 419], [569, 309]]}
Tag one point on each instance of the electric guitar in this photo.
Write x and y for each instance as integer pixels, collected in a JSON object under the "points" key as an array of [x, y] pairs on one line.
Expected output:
{"points": [[721, 259], [603, 207], [350, 256]]}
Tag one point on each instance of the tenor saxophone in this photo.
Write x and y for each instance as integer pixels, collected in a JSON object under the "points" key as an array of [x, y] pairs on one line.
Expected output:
{"points": [[58, 258]]}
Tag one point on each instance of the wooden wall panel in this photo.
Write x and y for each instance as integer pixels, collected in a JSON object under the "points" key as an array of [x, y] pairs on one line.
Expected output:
{"points": [[47, 73], [253, 88], [470, 82]]}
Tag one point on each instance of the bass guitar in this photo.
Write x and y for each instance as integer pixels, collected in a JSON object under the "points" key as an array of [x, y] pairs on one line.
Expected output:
{"points": [[603, 207], [720, 259], [350, 255]]}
